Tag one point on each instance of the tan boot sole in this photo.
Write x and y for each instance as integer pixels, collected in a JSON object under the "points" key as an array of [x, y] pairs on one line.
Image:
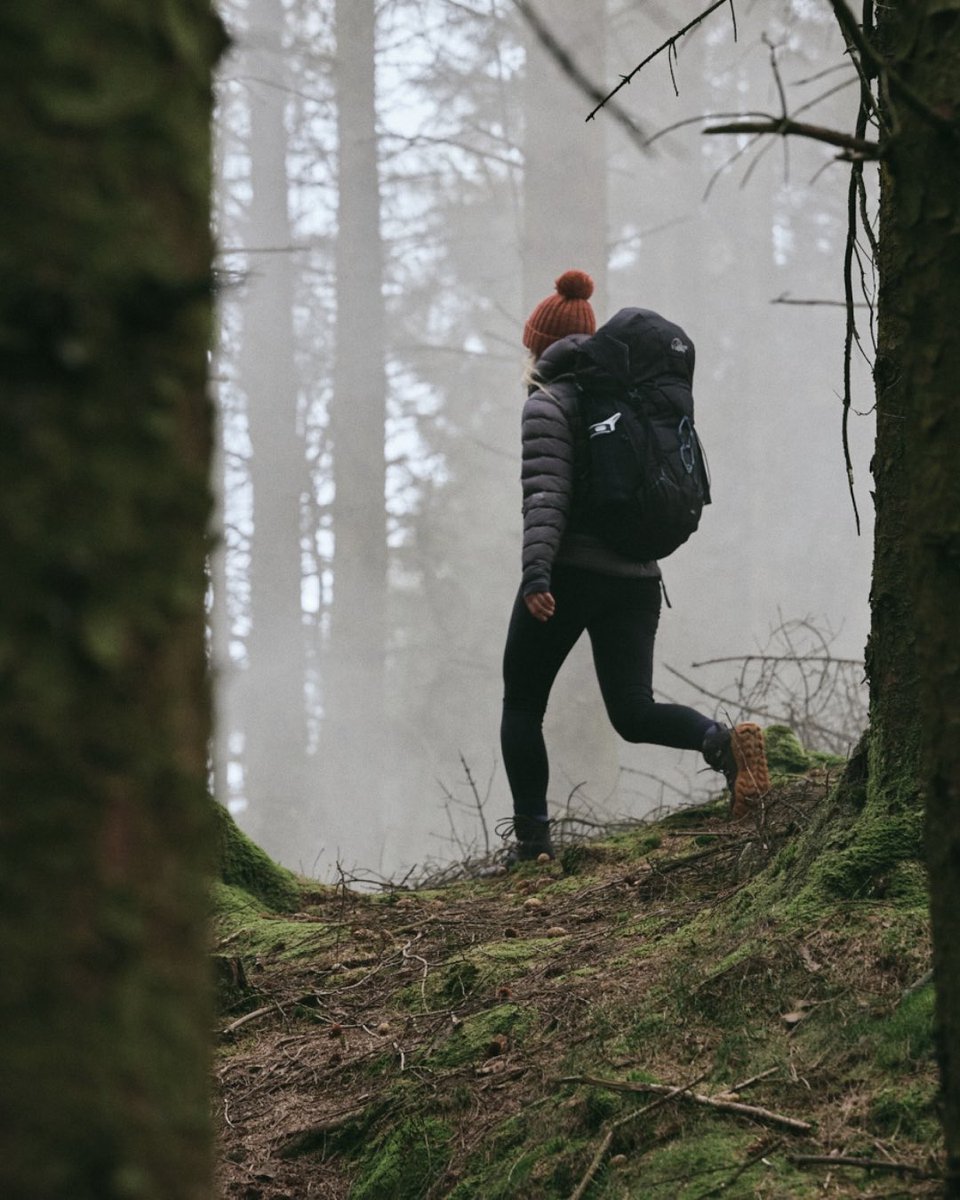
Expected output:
{"points": [[753, 777]]}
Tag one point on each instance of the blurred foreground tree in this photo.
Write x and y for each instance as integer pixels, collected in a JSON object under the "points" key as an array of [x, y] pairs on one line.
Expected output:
{"points": [[106, 835]]}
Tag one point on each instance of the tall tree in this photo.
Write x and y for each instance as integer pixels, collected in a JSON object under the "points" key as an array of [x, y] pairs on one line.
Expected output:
{"points": [[106, 838], [354, 662], [914, 650], [272, 702], [565, 225]]}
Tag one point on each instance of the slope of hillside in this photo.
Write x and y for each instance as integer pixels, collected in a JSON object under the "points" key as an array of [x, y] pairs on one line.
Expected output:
{"points": [[665, 1013]]}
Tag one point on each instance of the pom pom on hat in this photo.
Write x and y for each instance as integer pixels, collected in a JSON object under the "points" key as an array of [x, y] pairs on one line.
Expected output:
{"points": [[575, 285], [567, 311]]}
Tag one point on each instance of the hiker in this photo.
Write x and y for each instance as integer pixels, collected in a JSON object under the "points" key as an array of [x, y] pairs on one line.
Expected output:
{"points": [[574, 581]]}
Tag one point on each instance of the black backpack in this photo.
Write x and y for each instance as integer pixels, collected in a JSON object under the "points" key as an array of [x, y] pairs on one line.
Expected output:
{"points": [[644, 479]]}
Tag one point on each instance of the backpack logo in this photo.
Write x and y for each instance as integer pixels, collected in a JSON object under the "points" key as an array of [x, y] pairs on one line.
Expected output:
{"points": [[679, 345], [607, 426]]}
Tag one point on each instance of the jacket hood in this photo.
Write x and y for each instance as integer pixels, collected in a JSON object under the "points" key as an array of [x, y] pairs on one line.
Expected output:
{"points": [[559, 358], [638, 346]]}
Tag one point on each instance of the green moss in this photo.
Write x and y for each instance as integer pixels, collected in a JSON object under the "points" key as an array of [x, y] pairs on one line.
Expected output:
{"points": [[451, 985], [526, 1157], [905, 1038], [907, 885], [785, 754], [476, 1038], [402, 1165], [905, 1112], [244, 865], [518, 949], [684, 818], [863, 859], [254, 932], [709, 1160]]}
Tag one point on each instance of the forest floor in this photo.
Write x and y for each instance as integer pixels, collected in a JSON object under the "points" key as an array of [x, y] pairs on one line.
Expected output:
{"points": [[651, 1016]]}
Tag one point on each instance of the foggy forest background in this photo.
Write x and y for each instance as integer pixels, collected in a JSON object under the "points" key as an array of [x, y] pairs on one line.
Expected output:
{"points": [[397, 185]]}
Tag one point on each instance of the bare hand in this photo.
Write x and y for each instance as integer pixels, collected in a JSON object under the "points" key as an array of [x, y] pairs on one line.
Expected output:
{"points": [[540, 605]]}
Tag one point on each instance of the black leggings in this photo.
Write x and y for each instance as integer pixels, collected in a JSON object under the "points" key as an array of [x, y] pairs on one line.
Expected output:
{"points": [[621, 617]]}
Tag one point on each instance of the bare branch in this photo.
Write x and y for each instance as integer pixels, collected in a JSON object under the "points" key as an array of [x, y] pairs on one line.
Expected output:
{"points": [[566, 62], [865, 1164], [764, 1115], [785, 299], [857, 148], [669, 45]]}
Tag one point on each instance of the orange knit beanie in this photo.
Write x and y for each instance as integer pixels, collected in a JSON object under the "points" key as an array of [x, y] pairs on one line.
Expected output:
{"points": [[566, 312]]}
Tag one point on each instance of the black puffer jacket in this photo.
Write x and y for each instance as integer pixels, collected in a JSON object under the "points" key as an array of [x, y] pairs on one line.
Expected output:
{"points": [[552, 449]]}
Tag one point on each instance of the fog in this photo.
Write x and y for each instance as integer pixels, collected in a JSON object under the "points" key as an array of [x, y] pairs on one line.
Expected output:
{"points": [[397, 185]]}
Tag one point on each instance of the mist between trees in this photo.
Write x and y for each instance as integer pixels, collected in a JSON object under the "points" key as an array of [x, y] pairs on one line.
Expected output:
{"points": [[397, 186]]}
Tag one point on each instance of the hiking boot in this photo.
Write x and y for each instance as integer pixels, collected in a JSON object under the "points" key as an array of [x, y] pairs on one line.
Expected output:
{"points": [[739, 755], [533, 839]]}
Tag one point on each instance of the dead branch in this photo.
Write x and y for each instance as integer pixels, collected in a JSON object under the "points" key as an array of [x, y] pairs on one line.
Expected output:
{"points": [[781, 658], [764, 1115], [566, 62], [669, 45], [784, 298], [615, 1125], [247, 1018], [858, 147], [739, 1087], [865, 1164]]}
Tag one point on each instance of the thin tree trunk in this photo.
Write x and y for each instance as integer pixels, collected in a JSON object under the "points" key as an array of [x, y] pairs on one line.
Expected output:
{"points": [[106, 837], [353, 673], [273, 698], [565, 226]]}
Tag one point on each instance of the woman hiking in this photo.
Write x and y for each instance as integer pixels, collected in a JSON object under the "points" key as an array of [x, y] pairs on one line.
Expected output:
{"points": [[573, 581]]}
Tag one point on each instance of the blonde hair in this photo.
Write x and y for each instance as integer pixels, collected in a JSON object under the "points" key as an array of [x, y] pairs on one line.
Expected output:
{"points": [[531, 379]]}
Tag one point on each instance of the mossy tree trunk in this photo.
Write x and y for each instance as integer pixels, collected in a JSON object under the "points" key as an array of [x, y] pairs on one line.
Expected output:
{"points": [[915, 648], [106, 835]]}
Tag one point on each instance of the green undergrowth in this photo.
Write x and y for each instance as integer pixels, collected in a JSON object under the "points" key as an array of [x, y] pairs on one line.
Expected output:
{"points": [[245, 867], [504, 1037]]}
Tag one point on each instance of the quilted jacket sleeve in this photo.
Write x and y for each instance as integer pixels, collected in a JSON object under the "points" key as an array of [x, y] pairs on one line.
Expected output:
{"points": [[547, 476]]}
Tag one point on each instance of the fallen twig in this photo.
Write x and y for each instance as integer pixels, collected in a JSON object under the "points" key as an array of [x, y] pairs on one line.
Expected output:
{"points": [[921, 983], [246, 1019], [615, 1125], [865, 1164], [764, 1115], [739, 1087]]}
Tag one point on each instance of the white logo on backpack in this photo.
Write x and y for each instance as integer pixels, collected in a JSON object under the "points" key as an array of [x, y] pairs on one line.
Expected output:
{"points": [[607, 426]]}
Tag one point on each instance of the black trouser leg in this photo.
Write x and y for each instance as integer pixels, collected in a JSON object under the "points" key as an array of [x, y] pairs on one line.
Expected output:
{"points": [[621, 616], [623, 631], [534, 653]]}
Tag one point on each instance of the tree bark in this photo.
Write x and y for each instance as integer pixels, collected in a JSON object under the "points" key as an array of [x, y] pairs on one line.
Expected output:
{"points": [[915, 651], [106, 835]]}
